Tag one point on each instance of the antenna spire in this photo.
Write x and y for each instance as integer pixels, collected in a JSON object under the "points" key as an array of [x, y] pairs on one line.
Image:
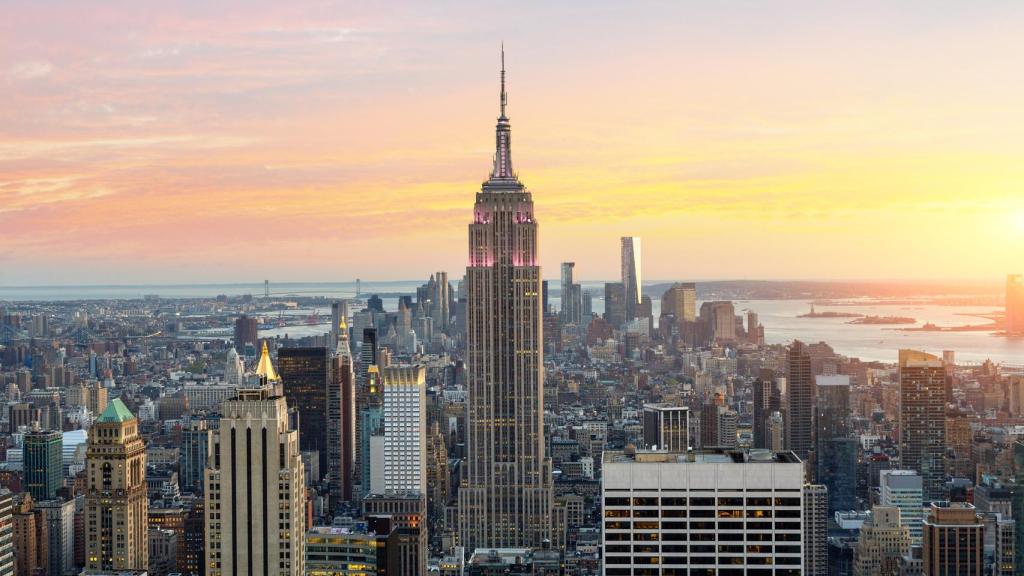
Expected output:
{"points": [[504, 96]]}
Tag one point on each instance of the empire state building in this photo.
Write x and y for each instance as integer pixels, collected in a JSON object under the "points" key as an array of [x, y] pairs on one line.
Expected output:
{"points": [[506, 496]]}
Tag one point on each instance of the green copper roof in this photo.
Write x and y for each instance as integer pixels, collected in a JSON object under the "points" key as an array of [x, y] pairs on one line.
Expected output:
{"points": [[116, 412]]}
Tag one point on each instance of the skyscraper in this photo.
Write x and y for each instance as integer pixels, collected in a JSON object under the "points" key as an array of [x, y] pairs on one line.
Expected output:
{"points": [[923, 419], [800, 397], [1015, 304], [954, 540], [767, 400], [255, 490], [903, 489], [615, 304], [405, 430], [883, 541], [43, 464], [680, 300], [246, 332], [341, 419], [117, 505], [835, 452], [666, 427], [506, 498], [815, 517], [631, 276], [572, 304], [306, 375]]}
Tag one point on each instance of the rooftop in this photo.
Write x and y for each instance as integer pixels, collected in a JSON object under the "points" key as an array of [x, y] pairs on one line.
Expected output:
{"points": [[711, 456], [116, 412]]}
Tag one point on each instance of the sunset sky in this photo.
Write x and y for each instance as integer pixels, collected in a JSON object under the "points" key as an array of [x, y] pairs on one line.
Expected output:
{"points": [[208, 141]]}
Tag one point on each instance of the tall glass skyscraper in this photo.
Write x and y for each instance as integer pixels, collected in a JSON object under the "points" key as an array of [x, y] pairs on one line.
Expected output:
{"points": [[506, 498], [631, 278]]}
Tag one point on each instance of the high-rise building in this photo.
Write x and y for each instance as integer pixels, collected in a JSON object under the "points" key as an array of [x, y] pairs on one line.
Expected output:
{"points": [[666, 428], [117, 526], [680, 300], [835, 456], [800, 398], [903, 490], [615, 304], [883, 542], [369, 431], [572, 296], [1015, 304], [6, 533], [405, 431], [59, 518], [632, 280], [306, 376], [195, 444], [255, 490], [507, 494], [43, 464], [246, 333], [408, 513], [923, 420], [720, 319], [815, 518], [30, 539], [234, 369], [341, 419], [710, 513], [954, 540], [767, 400]]}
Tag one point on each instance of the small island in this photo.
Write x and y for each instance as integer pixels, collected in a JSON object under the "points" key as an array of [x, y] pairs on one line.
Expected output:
{"points": [[884, 320], [829, 314]]}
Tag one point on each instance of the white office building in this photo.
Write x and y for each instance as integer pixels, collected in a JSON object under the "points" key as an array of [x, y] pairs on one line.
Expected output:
{"points": [[405, 431], [904, 489], [713, 512]]}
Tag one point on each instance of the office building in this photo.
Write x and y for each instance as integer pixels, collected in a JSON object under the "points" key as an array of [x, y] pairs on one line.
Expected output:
{"points": [[719, 318], [666, 427], [815, 518], [117, 502], [632, 279], [506, 496], [246, 334], [30, 539], [767, 400], [306, 376], [195, 445], [341, 419], [923, 419], [405, 431], [680, 301], [800, 399], [43, 464], [255, 490], [954, 540], [234, 370], [6, 533], [59, 517], [836, 453], [713, 513], [615, 304], [572, 296], [903, 489], [408, 513], [883, 542]]}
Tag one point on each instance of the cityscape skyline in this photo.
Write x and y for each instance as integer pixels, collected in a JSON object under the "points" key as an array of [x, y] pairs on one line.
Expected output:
{"points": [[292, 117]]}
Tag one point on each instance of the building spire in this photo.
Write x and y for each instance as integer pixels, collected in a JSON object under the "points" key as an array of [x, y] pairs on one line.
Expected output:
{"points": [[503, 153], [504, 96]]}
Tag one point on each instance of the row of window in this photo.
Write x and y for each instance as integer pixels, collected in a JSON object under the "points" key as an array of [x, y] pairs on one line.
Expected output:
{"points": [[702, 548], [701, 525], [703, 536], [674, 571], [706, 560], [728, 501], [702, 513]]}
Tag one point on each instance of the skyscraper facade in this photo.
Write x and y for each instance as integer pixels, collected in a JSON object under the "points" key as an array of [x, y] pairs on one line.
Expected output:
{"points": [[680, 300], [666, 427], [43, 464], [923, 419], [255, 490], [117, 505], [615, 304], [506, 497], [800, 396], [767, 400], [631, 274], [246, 333], [405, 430], [954, 540], [572, 303], [306, 375], [341, 419], [835, 455]]}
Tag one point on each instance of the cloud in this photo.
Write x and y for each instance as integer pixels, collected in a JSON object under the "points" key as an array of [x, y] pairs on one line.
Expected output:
{"points": [[32, 70]]}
